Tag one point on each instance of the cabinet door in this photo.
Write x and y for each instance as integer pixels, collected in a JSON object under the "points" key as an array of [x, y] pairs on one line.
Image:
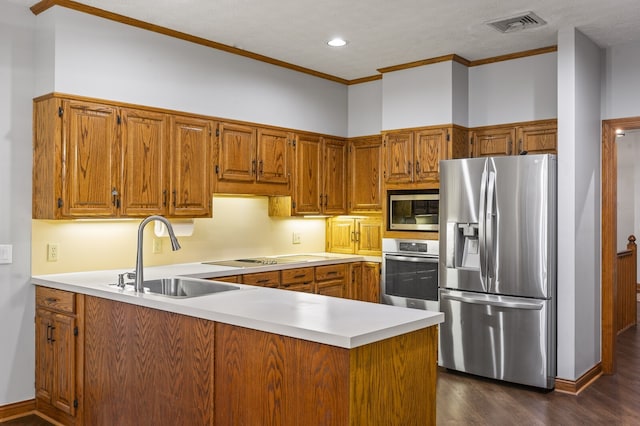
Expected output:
{"points": [[493, 142], [369, 236], [538, 138], [273, 156], [191, 195], [308, 184], [145, 153], [370, 288], [44, 355], [90, 158], [236, 152], [64, 363], [398, 157], [335, 176], [429, 148], [340, 235], [365, 183], [334, 288]]}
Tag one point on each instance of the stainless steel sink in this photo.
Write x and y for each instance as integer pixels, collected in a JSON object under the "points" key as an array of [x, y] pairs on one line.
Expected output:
{"points": [[185, 287]]}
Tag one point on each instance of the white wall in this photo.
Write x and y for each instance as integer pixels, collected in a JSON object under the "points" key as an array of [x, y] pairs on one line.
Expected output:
{"points": [[16, 293], [579, 276], [523, 89], [419, 96], [627, 148], [100, 58], [365, 108], [621, 84]]}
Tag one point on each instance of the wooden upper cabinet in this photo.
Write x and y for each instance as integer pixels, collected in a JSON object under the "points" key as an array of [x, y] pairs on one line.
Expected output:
{"points": [[335, 173], [535, 137], [540, 138], [273, 156], [365, 180], [414, 156], [354, 235], [398, 147], [191, 144], [236, 152], [494, 141], [145, 153], [308, 175], [90, 182], [430, 147], [253, 160]]}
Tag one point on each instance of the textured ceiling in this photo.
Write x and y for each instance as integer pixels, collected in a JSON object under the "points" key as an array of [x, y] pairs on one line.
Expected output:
{"points": [[381, 33]]}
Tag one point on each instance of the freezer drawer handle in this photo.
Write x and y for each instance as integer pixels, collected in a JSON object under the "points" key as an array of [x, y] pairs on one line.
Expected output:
{"points": [[534, 306]]}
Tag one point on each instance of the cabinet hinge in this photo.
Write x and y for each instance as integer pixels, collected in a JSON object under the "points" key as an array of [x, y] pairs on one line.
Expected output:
{"points": [[60, 203], [119, 119], [60, 111], [217, 132], [75, 331], [75, 403]]}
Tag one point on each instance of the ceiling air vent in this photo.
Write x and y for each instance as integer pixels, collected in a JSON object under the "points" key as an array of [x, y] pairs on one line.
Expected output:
{"points": [[517, 23]]}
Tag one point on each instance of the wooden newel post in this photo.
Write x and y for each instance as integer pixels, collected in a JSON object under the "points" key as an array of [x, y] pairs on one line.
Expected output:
{"points": [[631, 243]]}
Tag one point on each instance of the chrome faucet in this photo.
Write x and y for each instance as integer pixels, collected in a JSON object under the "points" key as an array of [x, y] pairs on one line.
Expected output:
{"points": [[174, 246]]}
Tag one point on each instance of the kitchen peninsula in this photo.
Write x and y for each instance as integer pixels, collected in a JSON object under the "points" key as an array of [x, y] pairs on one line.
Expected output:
{"points": [[255, 355]]}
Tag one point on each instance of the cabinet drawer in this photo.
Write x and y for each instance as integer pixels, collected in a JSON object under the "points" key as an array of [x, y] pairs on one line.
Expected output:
{"points": [[227, 279], [297, 276], [331, 272], [55, 299], [264, 279]]}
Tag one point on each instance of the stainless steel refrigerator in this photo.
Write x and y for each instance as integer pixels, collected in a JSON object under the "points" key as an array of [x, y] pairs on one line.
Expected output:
{"points": [[498, 267]]}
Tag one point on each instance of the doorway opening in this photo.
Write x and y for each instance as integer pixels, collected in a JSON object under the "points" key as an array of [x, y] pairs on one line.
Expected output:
{"points": [[610, 128]]}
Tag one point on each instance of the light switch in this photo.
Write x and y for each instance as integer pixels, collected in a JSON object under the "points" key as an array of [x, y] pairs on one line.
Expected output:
{"points": [[6, 253]]}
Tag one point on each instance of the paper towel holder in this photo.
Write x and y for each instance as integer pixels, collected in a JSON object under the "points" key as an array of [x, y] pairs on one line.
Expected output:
{"points": [[181, 227]]}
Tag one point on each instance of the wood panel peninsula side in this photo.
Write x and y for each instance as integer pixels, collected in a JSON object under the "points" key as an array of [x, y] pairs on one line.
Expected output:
{"points": [[255, 356]]}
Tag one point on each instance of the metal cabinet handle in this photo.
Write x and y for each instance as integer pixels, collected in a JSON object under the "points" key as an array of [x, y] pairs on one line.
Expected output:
{"points": [[115, 198], [164, 198], [175, 193], [253, 167], [417, 167], [266, 280], [261, 168]]}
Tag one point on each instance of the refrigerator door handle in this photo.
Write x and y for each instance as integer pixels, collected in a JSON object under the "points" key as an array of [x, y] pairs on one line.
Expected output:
{"points": [[481, 229], [489, 301], [490, 229]]}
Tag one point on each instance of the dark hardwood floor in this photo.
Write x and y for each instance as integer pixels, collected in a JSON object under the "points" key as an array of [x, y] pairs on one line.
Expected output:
{"points": [[611, 400]]}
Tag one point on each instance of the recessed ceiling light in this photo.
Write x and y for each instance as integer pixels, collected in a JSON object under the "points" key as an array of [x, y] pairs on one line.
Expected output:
{"points": [[337, 42]]}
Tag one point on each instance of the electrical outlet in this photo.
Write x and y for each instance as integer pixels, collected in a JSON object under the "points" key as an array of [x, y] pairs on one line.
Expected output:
{"points": [[297, 239], [52, 252], [157, 245]]}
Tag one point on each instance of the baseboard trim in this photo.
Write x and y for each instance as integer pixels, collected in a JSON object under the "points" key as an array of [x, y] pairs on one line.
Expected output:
{"points": [[575, 387], [17, 409]]}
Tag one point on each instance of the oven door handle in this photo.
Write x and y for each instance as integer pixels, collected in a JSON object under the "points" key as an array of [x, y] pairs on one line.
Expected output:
{"points": [[425, 259]]}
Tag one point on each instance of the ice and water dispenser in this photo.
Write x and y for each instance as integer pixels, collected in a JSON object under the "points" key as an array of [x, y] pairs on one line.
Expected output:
{"points": [[463, 246]]}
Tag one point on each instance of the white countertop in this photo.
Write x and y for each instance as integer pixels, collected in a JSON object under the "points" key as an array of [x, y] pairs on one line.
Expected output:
{"points": [[322, 319]]}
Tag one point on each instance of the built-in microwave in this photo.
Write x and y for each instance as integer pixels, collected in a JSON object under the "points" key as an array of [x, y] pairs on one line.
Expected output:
{"points": [[413, 210]]}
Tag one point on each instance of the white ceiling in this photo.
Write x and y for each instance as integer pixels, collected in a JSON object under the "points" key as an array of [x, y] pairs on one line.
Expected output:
{"points": [[381, 33]]}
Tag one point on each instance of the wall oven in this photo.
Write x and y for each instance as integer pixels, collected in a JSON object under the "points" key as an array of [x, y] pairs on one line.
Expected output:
{"points": [[410, 273], [413, 210]]}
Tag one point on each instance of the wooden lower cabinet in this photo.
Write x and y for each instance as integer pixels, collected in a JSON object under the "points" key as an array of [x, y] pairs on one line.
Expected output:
{"points": [[298, 279], [331, 280], [366, 282], [262, 279], [145, 366], [58, 375], [289, 381]]}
